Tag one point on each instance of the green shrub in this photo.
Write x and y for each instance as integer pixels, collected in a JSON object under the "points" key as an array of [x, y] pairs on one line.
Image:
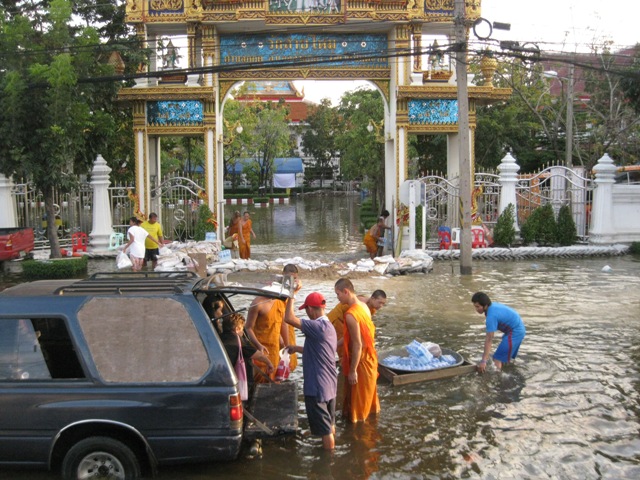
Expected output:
{"points": [[634, 248], [68, 267], [261, 200], [540, 227], [529, 228], [547, 226], [204, 223], [566, 233], [504, 233]]}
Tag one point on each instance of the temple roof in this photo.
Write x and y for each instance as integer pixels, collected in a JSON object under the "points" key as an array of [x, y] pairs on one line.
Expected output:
{"points": [[275, 91]]}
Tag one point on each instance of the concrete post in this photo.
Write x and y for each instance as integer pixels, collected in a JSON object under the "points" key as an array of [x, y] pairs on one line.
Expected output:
{"points": [[508, 169], [8, 212], [412, 213], [102, 220], [602, 230]]}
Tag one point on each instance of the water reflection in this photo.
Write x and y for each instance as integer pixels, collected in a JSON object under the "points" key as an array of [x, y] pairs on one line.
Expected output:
{"points": [[314, 227], [567, 409]]}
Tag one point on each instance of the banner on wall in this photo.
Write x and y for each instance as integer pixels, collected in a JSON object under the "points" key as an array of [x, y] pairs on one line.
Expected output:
{"points": [[284, 180]]}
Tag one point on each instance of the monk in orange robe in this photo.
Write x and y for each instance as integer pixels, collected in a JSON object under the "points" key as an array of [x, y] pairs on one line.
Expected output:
{"points": [[371, 237], [264, 328], [360, 361], [375, 302], [245, 240], [267, 331]]}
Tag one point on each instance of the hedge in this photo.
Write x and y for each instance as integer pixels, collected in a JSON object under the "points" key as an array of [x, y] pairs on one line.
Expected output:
{"points": [[69, 267]]}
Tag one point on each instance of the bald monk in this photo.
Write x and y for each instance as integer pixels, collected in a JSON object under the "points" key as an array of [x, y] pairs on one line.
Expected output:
{"points": [[360, 361], [267, 331], [375, 302]]}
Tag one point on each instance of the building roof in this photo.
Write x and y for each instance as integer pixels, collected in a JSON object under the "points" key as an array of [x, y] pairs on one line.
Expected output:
{"points": [[276, 91]]}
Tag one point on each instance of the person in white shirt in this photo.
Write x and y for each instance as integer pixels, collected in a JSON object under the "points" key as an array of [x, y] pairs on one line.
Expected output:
{"points": [[137, 236]]}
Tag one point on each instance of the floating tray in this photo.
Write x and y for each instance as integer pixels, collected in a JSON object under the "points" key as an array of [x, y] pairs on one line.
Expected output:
{"points": [[402, 352], [396, 377]]}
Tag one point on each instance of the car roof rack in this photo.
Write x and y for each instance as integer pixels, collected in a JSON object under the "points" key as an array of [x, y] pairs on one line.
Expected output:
{"points": [[120, 283]]}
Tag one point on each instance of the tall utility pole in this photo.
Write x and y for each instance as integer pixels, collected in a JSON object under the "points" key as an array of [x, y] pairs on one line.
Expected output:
{"points": [[463, 136], [569, 130]]}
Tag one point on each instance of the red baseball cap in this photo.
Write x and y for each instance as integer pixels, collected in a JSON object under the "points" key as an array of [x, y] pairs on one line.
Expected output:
{"points": [[314, 299]]}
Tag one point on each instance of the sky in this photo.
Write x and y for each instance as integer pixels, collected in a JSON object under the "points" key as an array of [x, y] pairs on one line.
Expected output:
{"points": [[554, 25]]}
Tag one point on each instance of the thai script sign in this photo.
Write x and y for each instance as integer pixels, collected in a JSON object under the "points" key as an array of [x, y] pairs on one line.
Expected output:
{"points": [[433, 112], [295, 50], [172, 112], [310, 6]]}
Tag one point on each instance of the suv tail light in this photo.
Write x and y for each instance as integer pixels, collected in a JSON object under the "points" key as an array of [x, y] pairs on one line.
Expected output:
{"points": [[235, 408], [8, 245]]}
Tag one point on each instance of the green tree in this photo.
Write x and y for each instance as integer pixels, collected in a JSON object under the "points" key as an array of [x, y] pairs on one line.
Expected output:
{"points": [[54, 120], [540, 226], [566, 233], [504, 233], [265, 136], [361, 154], [609, 122], [270, 139], [319, 138], [530, 124], [428, 154], [631, 82]]}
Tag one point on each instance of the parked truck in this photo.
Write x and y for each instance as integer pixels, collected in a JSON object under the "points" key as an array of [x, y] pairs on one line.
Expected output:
{"points": [[15, 242]]}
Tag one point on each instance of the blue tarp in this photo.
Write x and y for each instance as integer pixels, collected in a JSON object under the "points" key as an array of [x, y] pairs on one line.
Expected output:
{"points": [[281, 165]]}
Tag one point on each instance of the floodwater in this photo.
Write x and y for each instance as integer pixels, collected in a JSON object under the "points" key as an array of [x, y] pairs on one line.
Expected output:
{"points": [[568, 408]]}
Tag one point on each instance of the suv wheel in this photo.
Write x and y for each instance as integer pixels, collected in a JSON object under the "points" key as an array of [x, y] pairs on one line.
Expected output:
{"points": [[100, 457]]}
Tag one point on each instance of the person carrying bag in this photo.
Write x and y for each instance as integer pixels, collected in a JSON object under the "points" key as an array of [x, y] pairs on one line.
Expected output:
{"points": [[232, 331]]}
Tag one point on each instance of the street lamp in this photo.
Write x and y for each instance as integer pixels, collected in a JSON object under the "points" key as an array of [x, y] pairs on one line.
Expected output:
{"points": [[377, 126], [232, 136]]}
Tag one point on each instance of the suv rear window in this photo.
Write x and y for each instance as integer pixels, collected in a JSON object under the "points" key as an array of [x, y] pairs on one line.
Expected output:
{"points": [[143, 340], [37, 349]]}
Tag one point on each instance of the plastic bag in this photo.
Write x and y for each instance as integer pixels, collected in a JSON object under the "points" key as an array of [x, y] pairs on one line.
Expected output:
{"points": [[123, 261], [241, 373], [433, 348], [282, 373]]}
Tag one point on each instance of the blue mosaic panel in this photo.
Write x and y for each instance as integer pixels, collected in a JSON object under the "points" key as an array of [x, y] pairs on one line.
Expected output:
{"points": [[311, 6], [433, 112], [172, 112], [286, 50], [158, 7]]}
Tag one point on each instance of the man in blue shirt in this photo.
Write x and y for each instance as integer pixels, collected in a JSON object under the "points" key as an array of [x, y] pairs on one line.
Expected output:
{"points": [[503, 318], [318, 365]]}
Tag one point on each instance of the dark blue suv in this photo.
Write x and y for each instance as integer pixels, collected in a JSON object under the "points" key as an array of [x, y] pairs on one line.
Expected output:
{"points": [[111, 376]]}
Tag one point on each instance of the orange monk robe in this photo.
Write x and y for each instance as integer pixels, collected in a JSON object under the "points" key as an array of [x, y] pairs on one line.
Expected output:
{"points": [[293, 359], [234, 227], [361, 399], [245, 247], [371, 239], [336, 317], [267, 330]]}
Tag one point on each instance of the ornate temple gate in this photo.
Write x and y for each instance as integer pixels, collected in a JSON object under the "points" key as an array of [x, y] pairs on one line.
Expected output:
{"points": [[231, 41]]}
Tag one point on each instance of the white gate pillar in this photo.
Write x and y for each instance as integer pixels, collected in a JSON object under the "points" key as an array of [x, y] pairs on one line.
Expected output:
{"points": [[8, 212], [508, 169], [102, 228], [602, 230]]}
